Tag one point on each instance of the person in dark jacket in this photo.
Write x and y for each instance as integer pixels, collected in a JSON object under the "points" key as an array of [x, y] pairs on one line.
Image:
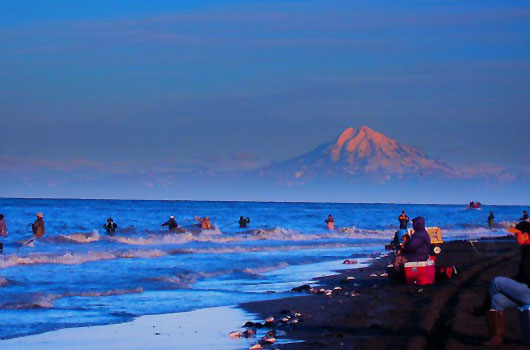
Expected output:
{"points": [[243, 222], [171, 223], [110, 226], [419, 245], [491, 220], [509, 292], [3, 231], [38, 226], [403, 220], [525, 216], [330, 222]]}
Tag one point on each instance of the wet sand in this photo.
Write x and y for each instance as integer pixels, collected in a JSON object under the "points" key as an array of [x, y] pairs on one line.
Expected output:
{"points": [[386, 315], [200, 329]]}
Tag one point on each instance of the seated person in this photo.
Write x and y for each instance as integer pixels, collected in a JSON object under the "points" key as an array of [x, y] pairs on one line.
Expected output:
{"points": [[418, 247], [205, 223], [507, 292], [243, 222]]}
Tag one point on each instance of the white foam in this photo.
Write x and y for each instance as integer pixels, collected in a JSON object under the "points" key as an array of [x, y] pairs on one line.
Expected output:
{"points": [[75, 259]]}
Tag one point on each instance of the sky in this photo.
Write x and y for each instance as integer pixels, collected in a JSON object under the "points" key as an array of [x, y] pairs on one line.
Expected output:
{"points": [[136, 85]]}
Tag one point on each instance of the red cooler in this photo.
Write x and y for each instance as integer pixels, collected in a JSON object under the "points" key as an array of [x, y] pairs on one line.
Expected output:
{"points": [[420, 273]]}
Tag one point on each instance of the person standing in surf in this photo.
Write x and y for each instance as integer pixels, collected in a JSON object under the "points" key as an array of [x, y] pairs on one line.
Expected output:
{"points": [[171, 224], [205, 223], [110, 226], [330, 222], [491, 220], [3, 231], [403, 220], [243, 222], [38, 226]]}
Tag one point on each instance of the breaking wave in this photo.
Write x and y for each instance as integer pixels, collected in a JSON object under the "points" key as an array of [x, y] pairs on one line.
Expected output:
{"points": [[45, 301], [76, 259]]}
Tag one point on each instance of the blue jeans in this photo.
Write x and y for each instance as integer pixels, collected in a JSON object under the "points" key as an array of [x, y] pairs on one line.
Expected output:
{"points": [[506, 293]]}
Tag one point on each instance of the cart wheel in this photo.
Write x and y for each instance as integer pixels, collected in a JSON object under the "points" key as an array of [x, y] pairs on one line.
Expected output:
{"points": [[437, 250]]}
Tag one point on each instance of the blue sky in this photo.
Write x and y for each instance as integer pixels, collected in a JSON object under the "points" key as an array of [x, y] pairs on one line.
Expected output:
{"points": [[242, 83]]}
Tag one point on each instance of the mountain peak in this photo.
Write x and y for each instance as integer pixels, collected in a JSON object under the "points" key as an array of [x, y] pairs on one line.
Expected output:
{"points": [[358, 151], [362, 142]]}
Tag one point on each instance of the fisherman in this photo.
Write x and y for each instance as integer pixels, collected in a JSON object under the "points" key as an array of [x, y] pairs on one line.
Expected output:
{"points": [[38, 226], [524, 217], [243, 222], [403, 220], [418, 247], [491, 220], [110, 226], [205, 223], [3, 231], [171, 223], [507, 292], [330, 222]]}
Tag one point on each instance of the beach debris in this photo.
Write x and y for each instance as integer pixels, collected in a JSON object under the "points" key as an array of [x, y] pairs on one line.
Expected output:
{"points": [[157, 333], [269, 340], [249, 333], [337, 289], [373, 275], [384, 274], [302, 288], [270, 334], [349, 261], [350, 278], [235, 334], [269, 321], [285, 319], [256, 346], [322, 291]]}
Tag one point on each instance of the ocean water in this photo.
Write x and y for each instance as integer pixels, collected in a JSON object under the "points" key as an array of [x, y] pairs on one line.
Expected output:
{"points": [[77, 275]]}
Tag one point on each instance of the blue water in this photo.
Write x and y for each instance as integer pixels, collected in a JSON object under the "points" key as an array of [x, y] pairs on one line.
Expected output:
{"points": [[77, 275]]}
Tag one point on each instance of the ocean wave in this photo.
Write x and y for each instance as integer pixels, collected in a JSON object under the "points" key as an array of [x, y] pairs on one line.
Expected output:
{"points": [[264, 269], [45, 301], [3, 282], [34, 301], [77, 237], [76, 259]]}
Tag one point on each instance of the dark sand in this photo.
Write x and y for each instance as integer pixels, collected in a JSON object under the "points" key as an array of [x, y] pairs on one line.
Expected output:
{"points": [[386, 315]]}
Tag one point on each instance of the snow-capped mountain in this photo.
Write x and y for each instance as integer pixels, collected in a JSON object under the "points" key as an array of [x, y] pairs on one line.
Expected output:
{"points": [[358, 152]]}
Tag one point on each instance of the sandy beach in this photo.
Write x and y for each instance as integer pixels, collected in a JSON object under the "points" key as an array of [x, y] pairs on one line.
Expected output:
{"points": [[385, 315]]}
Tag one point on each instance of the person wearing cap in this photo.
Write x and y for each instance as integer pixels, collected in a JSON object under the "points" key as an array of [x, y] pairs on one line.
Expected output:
{"points": [[509, 292], [419, 245], [110, 226], [171, 223], [38, 226]]}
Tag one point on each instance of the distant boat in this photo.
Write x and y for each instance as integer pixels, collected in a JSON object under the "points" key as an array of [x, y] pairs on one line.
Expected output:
{"points": [[474, 205]]}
